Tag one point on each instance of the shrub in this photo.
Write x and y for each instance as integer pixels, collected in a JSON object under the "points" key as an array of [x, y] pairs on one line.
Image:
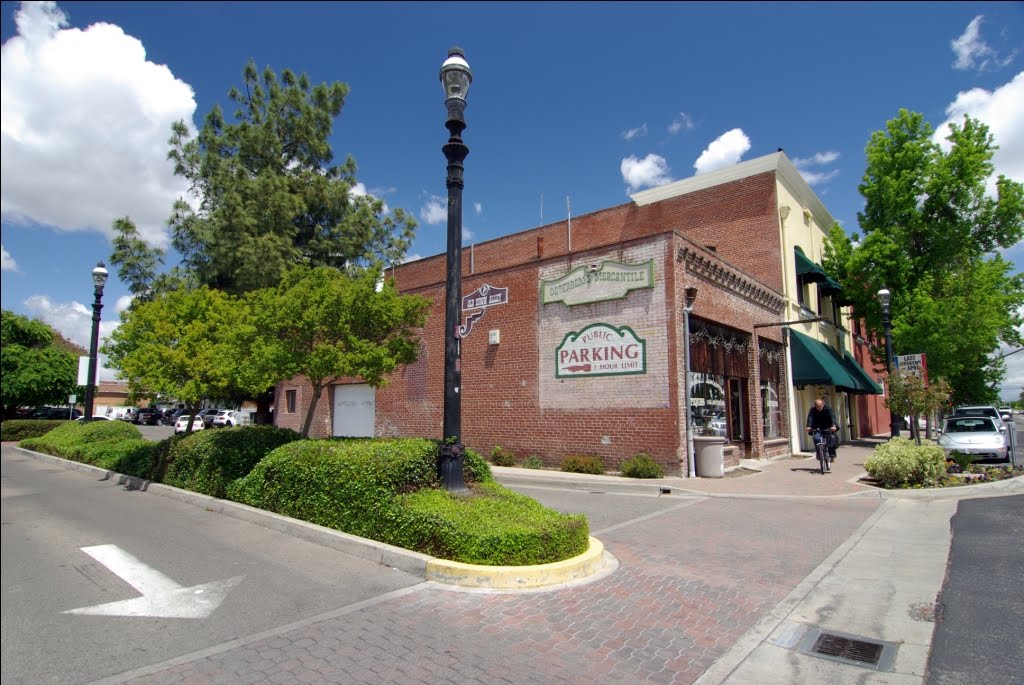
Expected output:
{"points": [[500, 457], [118, 454], [386, 490], [207, 461], [60, 441], [583, 464], [641, 466], [21, 429], [533, 462], [902, 463], [960, 459], [494, 526]]}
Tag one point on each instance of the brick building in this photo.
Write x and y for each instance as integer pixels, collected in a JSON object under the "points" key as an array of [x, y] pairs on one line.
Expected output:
{"points": [[572, 339]]}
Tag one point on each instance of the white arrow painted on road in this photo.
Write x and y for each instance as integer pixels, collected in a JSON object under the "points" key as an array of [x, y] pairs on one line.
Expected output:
{"points": [[161, 596]]}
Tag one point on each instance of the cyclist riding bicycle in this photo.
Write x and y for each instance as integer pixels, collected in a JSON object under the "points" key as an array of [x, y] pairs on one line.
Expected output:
{"points": [[820, 418]]}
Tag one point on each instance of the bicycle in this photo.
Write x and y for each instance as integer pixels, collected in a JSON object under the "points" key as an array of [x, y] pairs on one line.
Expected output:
{"points": [[821, 440]]}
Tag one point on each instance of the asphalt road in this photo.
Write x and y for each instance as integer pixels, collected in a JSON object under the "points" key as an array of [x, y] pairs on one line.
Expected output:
{"points": [[50, 514], [978, 635]]}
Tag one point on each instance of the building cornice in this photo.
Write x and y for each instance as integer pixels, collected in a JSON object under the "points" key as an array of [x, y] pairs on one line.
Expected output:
{"points": [[708, 267]]}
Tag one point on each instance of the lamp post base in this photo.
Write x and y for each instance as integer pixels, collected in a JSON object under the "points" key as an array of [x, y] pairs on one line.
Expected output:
{"points": [[450, 468]]}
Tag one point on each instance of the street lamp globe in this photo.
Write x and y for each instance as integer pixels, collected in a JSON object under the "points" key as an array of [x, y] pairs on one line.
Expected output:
{"points": [[883, 297], [456, 74]]}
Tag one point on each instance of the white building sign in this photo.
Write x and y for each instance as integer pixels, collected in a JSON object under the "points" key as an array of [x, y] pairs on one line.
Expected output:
{"points": [[601, 350], [598, 282], [912, 364]]}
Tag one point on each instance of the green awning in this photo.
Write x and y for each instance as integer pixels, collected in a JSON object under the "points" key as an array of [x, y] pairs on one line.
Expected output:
{"points": [[815, 363], [868, 384], [808, 270]]}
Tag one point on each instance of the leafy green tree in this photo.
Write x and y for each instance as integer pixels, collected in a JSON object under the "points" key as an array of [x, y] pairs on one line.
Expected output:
{"points": [[931, 236], [329, 326], [269, 196], [35, 369], [180, 344], [909, 396]]}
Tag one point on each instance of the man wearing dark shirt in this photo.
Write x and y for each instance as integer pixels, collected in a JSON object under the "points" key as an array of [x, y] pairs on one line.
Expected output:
{"points": [[820, 418]]}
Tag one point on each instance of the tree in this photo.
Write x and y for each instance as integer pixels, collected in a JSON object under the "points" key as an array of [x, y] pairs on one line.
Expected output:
{"points": [[35, 369], [181, 344], [931, 236], [136, 261], [908, 395], [268, 195], [329, 326]]}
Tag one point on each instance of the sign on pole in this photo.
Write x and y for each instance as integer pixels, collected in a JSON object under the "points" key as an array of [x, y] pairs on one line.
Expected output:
{"points": [[912, 364]]}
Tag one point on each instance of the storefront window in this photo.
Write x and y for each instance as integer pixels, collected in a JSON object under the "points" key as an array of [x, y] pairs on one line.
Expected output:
{"points": [[771, 357], [771, 410], [707, 404]]}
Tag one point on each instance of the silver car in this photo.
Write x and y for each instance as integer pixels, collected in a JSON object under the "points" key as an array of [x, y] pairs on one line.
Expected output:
{"points": [[977, 436]]}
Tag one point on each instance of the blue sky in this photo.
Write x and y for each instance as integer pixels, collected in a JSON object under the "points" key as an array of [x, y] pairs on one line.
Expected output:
{"points": [[585, 101]]}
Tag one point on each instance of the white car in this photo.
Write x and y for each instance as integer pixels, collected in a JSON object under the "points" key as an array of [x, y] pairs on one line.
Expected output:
{"points": [[181, 425], [977, 436], [227, 418]]}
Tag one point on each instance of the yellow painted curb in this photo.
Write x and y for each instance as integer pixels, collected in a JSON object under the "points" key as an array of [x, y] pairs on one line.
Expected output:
{"points": [[518, 577]]}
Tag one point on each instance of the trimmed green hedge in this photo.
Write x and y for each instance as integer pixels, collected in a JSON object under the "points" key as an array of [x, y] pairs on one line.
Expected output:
{"points": [[641, 466], [903, 463], [581, 463], [123, 456], [207, 461], [16, 430], [494, 527], [61, 440], [386, 490]]}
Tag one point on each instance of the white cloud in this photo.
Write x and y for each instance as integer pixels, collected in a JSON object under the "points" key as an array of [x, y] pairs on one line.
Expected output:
{"points": [[972, 52], [817, 177], [359, 190], [478, 208], [684, 122], [435, 210], [1002, 110], [7, 262], [724, 151], [73, 320], [85, 122], [467, 235], [650, 171], [638, 132]]}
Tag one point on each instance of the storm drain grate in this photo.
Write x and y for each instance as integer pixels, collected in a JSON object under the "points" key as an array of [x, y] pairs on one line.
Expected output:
{"points": [[846, 648]]}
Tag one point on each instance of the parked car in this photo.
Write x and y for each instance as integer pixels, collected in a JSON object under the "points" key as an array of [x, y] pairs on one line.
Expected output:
{"points": [[227, 418], [96, 417], [207, 416], [981, 410], [56, 413], [1006, 413], [149, 416], [981, 437], [181, 424]]}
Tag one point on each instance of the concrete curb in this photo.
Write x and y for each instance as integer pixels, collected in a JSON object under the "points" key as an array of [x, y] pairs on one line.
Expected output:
{"points": [[443, 571], [579, 567]]}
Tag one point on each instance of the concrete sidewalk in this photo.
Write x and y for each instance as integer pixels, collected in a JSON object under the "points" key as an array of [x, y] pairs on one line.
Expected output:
{"points": [[877, 591]]}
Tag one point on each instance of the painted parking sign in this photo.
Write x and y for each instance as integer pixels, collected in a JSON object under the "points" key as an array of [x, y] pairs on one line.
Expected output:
{"points": [[601, 350]]}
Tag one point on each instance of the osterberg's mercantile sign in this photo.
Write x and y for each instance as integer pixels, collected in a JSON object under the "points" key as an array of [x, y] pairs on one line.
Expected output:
{"points": [[601, 349], [602, 281]]}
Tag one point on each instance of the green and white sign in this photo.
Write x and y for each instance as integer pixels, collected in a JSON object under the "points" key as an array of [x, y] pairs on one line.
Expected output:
{"points": [[598, 282], [601, 350]]}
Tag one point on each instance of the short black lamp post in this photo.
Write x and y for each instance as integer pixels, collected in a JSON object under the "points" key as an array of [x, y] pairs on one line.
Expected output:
{"points": [[99, 279], [691, 297], [883, 297], [455, 77]]}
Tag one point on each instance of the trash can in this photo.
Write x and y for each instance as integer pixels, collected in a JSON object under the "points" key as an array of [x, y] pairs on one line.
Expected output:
{"points": [[709, 460]]}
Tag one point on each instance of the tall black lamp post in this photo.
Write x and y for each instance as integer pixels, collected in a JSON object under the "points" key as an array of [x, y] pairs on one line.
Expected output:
{"points": [[691, 297], [99, 279], [455, 77], [883, 297]]}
